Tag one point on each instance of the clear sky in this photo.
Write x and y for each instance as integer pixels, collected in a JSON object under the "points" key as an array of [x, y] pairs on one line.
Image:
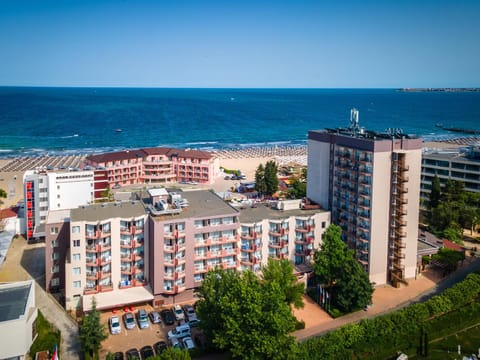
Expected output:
{"points": [[240, 43]]}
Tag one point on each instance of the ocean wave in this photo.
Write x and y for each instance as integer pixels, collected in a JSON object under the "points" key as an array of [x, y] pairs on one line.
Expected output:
{"points": [[69, 136]]}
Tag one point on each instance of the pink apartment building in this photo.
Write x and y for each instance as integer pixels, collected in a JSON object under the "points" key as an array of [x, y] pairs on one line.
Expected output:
{"points": [[158, 250], [156, 166]]}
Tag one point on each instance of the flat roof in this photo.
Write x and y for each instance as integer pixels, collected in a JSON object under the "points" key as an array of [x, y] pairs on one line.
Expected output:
{"points": [[201, 204], [261, 212], [158, 192], [118, 298], [13, 300], [58, 216], [99, 212]]}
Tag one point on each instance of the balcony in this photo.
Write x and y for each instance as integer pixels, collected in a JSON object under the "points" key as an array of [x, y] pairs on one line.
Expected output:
{"points": [[88, 290], [169, 276], [105, 260], [200, 269], [91, 261], [92, 248], [105, 288], [127, 270], [305, 229], [93, 275], [124, 244], [169, 248], [277, 232]]}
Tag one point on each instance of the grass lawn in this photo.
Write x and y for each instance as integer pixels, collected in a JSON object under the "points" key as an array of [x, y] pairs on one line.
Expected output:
{"points": [[47, 336], [447, 347]]}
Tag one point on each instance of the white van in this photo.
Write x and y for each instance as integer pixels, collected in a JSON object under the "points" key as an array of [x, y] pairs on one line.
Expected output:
{"points": [[179, 332]]}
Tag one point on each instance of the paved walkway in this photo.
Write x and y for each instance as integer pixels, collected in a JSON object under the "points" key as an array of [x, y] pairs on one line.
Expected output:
{"points": [[387, 299], [26, 261]]}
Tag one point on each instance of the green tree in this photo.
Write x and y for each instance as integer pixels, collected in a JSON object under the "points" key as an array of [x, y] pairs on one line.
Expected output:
{"points": [[92, 332], [107, 194], [337, 268], [271, 177], [453, 233], [260, 179], [3, 195], [249, 318], [435, 194], [281, 272], [298, 188]]}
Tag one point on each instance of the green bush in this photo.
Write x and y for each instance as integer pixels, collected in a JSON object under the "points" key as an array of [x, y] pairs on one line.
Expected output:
{"points": [[48, 336]]}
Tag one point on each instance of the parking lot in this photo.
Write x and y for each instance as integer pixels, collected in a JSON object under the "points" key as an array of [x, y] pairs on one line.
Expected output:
{"points": [[136, 337]]}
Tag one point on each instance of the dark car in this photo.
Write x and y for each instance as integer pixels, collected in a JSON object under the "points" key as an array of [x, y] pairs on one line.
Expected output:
{"points": [[159, 347], [118, 356], [168, 317], [147, 352], [132, 354]]}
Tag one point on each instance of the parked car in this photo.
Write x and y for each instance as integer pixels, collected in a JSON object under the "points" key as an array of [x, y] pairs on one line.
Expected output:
{"points": [[168, 317], [178, 311], [188, 343], [118, 356], [142, 319], [179, 331], [114, 323], [227, 177], [191, 315], [176, 344], [155, 317], [159, 347], [147, 352], [129, 321], [133, 354]]}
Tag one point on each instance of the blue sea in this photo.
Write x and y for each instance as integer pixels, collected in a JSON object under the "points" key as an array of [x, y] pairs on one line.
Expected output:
{"points": [[38, 121]]}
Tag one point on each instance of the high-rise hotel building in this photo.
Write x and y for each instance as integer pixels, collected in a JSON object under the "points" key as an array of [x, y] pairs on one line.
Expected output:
{"points": [[371, 183]]}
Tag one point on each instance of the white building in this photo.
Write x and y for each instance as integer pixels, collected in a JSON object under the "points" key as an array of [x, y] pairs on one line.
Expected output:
{"points": [[46, 191], [18, 315]]}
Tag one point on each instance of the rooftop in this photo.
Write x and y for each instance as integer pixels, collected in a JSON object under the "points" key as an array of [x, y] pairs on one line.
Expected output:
{"points": [[13, 299], [58, 216], [261, 212], [202, 204], [99, 212]]}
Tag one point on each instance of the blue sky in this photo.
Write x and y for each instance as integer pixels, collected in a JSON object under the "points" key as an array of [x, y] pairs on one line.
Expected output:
{"points": [[311, 44]]}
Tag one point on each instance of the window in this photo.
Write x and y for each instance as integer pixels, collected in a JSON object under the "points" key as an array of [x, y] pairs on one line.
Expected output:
{"points": [[77, 271], [54, 230], [54, 256], [54, 243], [55, 282], [324, 224], [75, 229], [55, 269], [58, 196], [76, 257], [77, 284], [76, 243]]}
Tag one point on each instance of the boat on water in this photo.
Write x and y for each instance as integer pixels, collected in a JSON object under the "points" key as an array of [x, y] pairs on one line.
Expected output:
{"points": [[118, 130]]}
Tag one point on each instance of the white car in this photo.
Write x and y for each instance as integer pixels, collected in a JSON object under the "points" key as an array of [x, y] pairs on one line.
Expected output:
{"points": [[178, 311], [114, 323], [188, 343]]}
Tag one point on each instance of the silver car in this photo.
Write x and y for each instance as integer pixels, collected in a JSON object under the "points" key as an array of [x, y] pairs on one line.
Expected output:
{"points": [[129, 321], [114, 323]]}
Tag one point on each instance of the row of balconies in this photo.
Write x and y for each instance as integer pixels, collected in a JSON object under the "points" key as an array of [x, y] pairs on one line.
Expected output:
{"points": [[278, 244], [96, 275], [174, 248], [125, 244], [278, 231], [215, 241], [97, 248], [93, 289], [97, 234], [307, 240], [174, 261], [174, 234], [217, 254], [174, 275], [100, 261], [132, 230], [251, 235], [305, 228]]}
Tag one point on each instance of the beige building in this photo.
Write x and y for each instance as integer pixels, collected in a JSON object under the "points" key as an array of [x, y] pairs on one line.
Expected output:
{"points": [[371, 183], [18, 317]]}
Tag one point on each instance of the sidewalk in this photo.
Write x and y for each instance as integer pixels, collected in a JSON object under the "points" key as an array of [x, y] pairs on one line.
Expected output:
{"points": [[385, 299], [25, 261]]}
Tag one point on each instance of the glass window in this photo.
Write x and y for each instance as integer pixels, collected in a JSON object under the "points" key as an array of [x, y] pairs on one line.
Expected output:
{"points": [[77, 271], [75, 229], [55, 282], [77, 284], [53, 230], [76, 257], [55, 269], [76, 243]]}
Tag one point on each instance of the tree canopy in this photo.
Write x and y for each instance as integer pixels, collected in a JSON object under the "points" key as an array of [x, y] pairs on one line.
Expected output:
{"points": [[338, 270], [248, 317], [3, 195], [266, 178], [281, 273], [92, 331], [453, 210]]}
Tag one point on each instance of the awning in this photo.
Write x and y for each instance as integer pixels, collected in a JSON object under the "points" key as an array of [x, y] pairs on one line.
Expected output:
{"points": [[118, 298]]}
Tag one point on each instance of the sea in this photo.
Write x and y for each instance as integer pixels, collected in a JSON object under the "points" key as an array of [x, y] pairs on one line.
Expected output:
{"points": [[37, 121]]}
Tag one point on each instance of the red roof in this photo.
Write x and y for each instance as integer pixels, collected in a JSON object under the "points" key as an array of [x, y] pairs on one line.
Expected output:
{"points": [[116, 156], [451, 245], [140, 153], [7, 213]]}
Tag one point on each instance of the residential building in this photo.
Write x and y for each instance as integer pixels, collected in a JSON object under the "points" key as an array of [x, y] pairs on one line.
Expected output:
{"points": [[268, 233], [53, 190], [158, 250], [371, 183], [156, 166], [18, 317], [451, 164], [107, 258]]}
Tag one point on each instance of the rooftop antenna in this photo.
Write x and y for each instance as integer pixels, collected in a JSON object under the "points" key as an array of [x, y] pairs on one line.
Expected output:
{"points": [[354, 127]]}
